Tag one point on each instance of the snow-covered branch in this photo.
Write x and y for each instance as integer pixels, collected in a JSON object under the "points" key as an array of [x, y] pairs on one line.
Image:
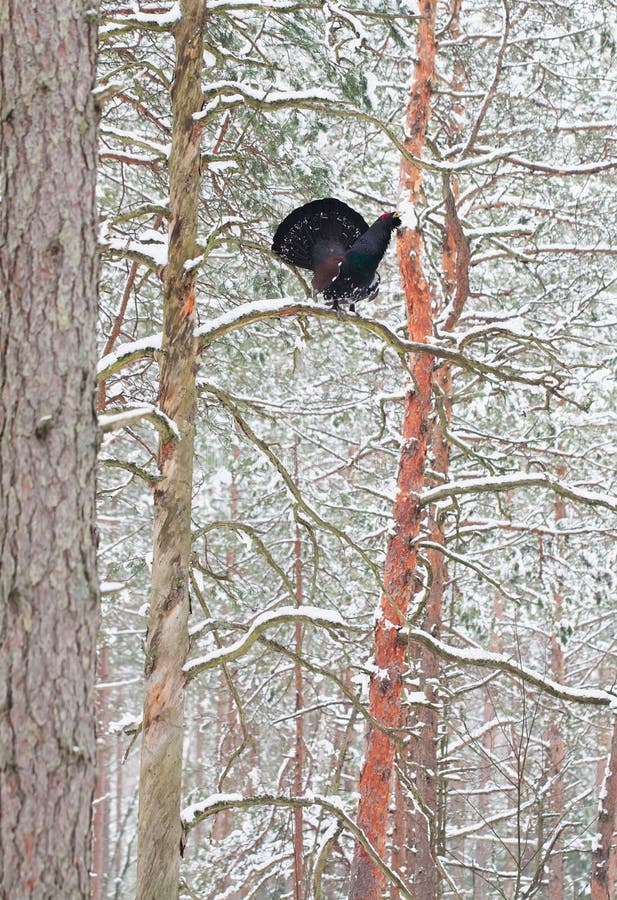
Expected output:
{"points": [[195, 813], [144, 21], [127, 353], [501, 483], [160, 151], [261, 310], [486, 659], [277, 6], [117, 420], [542, 168], [309, 614]]}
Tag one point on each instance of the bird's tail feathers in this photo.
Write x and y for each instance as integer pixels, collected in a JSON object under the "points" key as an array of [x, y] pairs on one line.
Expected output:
{"points": [[317, 231]]}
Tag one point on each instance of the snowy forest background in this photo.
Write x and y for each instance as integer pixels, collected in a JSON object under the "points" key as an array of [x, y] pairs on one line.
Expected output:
{"points": [[298, 441]]}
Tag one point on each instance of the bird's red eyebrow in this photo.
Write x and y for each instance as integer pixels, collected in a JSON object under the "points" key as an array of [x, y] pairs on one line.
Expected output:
{"points": [[385, 215]]}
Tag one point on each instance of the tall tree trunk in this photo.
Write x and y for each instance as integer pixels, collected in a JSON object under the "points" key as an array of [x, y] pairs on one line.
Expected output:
{"points": [[159, 829], [100, 836], [483, 857], [400, 578], [118, 832], [400, 820], [423, 748], [49, 608], [298, 776], [604, 856], [556, 743], [425, 827], [226, 719]]}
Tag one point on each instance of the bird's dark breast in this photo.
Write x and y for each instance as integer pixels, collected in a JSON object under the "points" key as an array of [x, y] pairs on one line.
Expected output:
{"points": [[360, 263]]}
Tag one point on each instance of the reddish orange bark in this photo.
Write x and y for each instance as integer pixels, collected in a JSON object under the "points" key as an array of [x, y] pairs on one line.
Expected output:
{"points": [[400, 579], [424, 827]]}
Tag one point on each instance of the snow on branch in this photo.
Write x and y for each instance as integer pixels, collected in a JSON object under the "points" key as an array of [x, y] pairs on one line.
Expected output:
{"points": [[127, 353], [144, 21], [117, 420], [542, 168], [278, 6], [486, 659], [151, 252], [310, 614], [195, 813], [234, 93], [161, 151], [261, 310], [500, 483]]}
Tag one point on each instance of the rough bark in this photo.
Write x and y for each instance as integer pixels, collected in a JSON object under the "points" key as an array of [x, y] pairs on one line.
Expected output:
{"points": [[49, 606], [426, 825], [400, 575], [159, 829]]}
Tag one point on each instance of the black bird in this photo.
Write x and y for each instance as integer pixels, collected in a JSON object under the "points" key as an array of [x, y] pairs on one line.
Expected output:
{"points": [[335, 243]]}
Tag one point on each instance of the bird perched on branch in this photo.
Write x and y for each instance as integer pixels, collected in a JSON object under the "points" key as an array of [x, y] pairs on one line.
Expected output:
{"points": [[336, 244]]}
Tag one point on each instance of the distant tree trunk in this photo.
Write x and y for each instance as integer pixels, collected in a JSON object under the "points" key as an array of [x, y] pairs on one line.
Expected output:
{"points": [[556, 743], [483, 853], [298, 776], [399, 835], [49, 607], [423, 748], [100, 837], [604, 856], [400, 576], [226, 719], [159, 829], [118, 813]]}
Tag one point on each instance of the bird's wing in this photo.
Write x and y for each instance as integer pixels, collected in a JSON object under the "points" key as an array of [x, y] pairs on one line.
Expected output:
{"points": [[317, 231], [326, 272]]}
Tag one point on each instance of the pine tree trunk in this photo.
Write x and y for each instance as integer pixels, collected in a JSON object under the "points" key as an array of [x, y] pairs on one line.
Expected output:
{"points": [[423, 748], [400, 578], [483, 857], [49, 609], [604, 856], [298, 776], [159, 828], [556, 743], [100, 837]]}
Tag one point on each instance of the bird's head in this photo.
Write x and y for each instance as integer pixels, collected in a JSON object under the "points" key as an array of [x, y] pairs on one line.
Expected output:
{"points": [[392, 218]]}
